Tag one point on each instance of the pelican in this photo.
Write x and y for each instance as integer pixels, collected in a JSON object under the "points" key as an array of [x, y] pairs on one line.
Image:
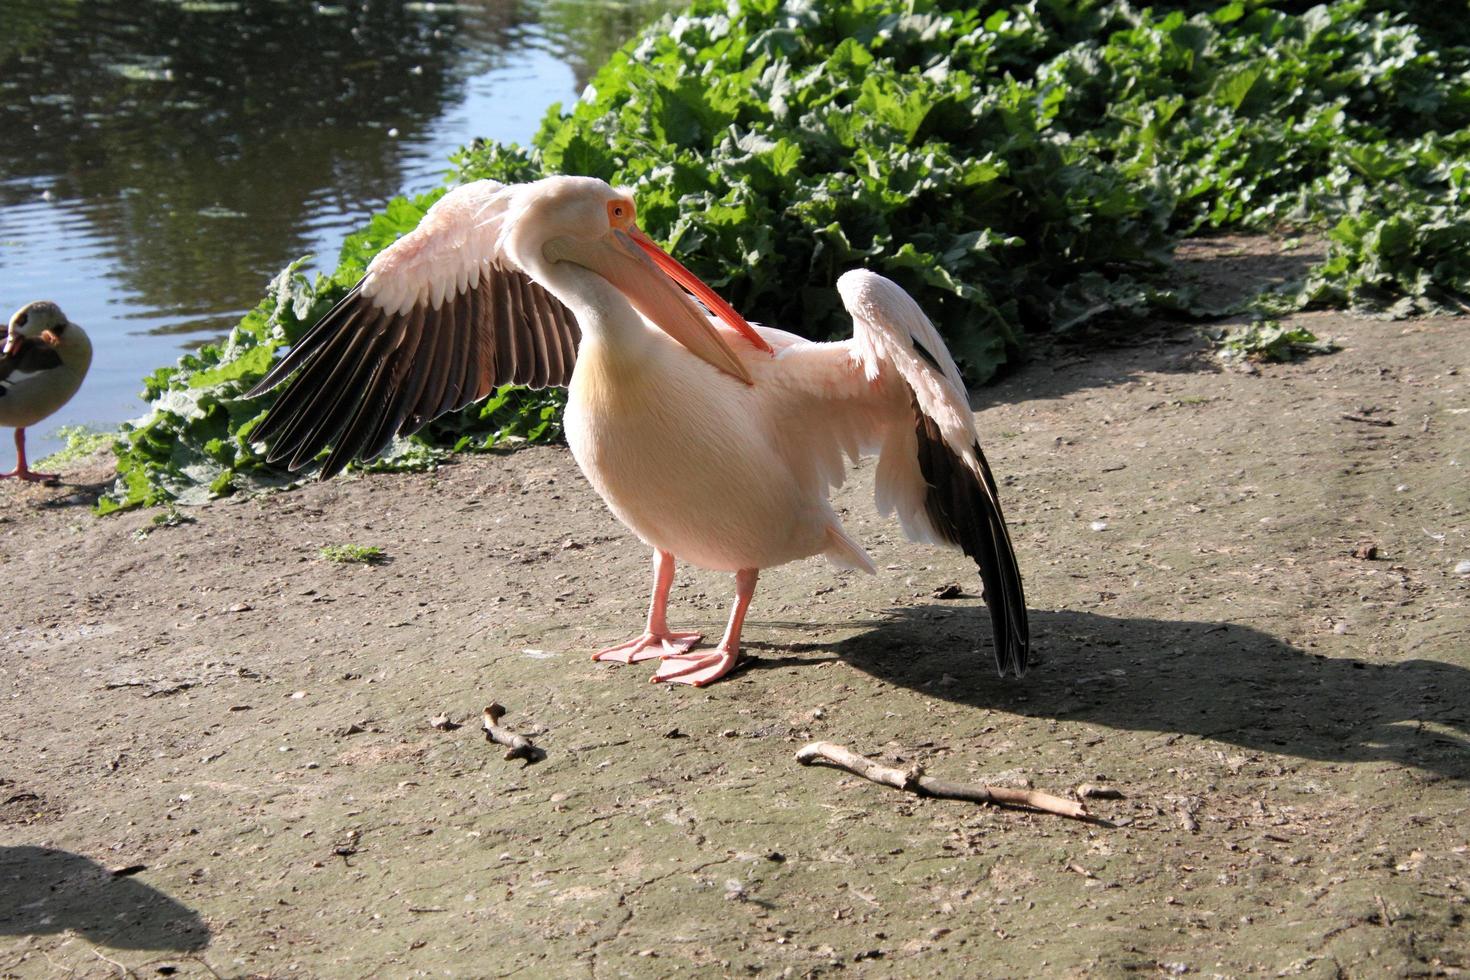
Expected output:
{"points": [[714, 441], [42, 363]]}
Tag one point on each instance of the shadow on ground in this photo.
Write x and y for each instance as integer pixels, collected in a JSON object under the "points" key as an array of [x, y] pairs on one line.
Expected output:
{"points": [[43, 890], [1228, 270], [1213, 680]]}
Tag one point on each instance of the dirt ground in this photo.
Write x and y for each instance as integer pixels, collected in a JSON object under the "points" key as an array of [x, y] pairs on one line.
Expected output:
{"points": [[217, 755]]}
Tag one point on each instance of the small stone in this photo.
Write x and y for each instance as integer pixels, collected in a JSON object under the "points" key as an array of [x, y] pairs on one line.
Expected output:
{"points": [[1367, 552], [1099, 525], [1462, 568]]}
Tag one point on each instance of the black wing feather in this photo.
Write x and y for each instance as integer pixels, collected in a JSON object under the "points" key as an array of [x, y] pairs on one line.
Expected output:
{"points": [[363, 375], [343, 398], [404, 388], [373, 403], [328, 369], [966, 512]]}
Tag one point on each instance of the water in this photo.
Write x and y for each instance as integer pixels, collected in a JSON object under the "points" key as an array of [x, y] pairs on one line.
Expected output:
{"points": [[161, 160]]}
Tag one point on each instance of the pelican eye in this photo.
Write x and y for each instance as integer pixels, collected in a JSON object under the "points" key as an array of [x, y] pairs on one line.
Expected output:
{"points": [[620, 213]]}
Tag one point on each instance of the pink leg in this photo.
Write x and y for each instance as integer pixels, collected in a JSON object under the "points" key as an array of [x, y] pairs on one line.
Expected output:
{"points": [[657, 640], [22, 471], [699, 669]]}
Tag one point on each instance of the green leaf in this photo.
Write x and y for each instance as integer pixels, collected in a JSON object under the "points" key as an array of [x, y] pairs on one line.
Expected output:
{"points": [[1016, 167]]}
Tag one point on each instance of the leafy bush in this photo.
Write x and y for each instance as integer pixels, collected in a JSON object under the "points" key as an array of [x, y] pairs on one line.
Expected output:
{"points": [[1018, 167]]}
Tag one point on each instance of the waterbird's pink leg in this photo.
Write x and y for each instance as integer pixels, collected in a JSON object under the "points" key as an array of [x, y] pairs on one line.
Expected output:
{"points": [[22, 471], [699, 669], [657, 640]]}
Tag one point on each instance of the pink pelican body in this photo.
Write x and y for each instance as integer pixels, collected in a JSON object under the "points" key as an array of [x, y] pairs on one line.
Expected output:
{"points": [[714, 441]]}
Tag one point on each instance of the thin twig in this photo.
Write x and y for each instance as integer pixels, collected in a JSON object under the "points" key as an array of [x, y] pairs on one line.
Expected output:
{"points": [[1385, 423], [914, 781], [124, 970], [518, 746]]}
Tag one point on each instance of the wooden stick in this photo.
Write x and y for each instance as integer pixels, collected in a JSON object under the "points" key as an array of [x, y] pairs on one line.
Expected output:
{"points": [[518, 746], [914, 781]]}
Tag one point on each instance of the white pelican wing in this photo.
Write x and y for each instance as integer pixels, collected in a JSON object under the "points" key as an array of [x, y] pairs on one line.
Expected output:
{"points": [[931, 470], [441, 318]]}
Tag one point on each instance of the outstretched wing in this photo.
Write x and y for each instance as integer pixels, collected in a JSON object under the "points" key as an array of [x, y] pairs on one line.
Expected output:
{"points": [[932, 472], [440, 319]]}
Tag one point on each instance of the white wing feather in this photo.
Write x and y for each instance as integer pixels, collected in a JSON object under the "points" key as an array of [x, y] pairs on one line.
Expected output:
{"points": [[457, 240], [900, 387]]}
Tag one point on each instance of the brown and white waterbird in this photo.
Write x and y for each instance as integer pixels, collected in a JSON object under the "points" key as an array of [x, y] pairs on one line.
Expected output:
{"points": [[43, 361], [716, 442]]}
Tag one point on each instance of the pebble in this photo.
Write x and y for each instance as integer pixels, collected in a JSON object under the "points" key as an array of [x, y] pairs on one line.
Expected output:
{"points": [[1462, 568]]}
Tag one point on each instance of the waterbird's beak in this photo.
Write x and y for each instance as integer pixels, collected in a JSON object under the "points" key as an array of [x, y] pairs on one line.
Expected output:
{"points": [[646, 274]]}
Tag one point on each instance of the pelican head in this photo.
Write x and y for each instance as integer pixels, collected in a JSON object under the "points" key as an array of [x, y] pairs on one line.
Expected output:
{"points": [[588, 223]]}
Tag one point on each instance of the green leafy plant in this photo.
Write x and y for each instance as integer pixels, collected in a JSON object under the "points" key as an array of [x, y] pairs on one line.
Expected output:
{"points": [[1271, 340], [1019, 167], [353, 554], [168, 516], [79, 442]]}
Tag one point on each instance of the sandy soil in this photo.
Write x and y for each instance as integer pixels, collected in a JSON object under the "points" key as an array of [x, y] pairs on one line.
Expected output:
{"points": [[217, 754]]}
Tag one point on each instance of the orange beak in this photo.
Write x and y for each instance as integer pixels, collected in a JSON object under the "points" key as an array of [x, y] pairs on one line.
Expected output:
{"points": [[676, 271], [650, 278]]}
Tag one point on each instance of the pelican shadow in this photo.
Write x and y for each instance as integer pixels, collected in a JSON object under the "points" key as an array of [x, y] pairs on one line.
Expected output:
{"points": [[43, 890], [1219, 681]]}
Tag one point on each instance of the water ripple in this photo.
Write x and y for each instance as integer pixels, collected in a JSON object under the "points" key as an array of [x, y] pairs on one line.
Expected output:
{"points": [[161, 161]]}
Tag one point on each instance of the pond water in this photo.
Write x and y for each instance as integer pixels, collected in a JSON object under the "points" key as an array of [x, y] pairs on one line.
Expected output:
{"points": [[161, 160]]}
